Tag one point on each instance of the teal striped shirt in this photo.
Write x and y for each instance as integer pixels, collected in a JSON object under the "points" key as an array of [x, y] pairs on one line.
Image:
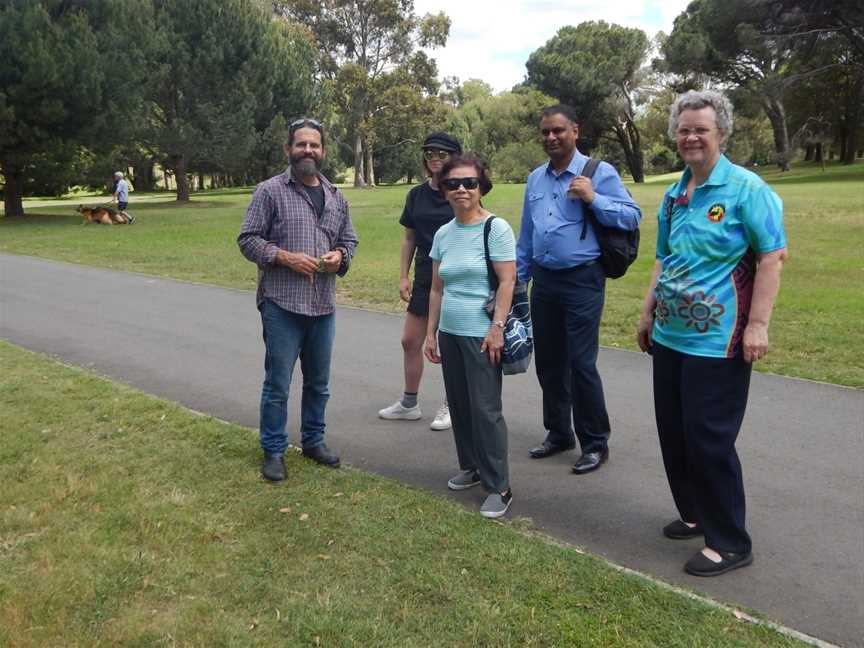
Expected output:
{"points": [[459, 249]]}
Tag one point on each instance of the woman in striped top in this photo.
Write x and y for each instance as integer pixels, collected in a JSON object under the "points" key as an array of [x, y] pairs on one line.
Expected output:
{"points": [[471, 345]]}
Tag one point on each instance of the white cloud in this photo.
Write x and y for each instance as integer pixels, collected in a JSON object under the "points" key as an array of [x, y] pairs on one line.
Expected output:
{"points": [[492, 39]]}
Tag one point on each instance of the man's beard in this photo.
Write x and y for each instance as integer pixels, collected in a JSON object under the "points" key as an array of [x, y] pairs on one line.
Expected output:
{"points": [[305, 166]]}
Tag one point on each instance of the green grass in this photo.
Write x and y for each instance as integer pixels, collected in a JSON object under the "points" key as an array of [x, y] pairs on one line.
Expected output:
{"points": [[816, 329], [127, 520]]}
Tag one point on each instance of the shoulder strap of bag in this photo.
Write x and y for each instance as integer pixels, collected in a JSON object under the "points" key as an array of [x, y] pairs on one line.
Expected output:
{"points": [[490, 271], [588, 172]]}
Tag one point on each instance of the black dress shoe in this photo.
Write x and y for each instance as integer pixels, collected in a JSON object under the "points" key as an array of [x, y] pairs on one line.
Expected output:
{"points": [[677, 530], [548, 449], [323, 455], [273, 467], [590, 461], [702, 565]]}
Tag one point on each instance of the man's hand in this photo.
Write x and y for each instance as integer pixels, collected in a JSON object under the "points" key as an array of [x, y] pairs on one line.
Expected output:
{"points": [[298, 262], [755, 341], [581, 188], [405, 289], [332, 260]]}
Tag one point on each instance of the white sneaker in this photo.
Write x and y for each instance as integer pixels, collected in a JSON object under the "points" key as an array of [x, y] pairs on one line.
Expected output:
{"points": [[442, 418], [397, 412]]}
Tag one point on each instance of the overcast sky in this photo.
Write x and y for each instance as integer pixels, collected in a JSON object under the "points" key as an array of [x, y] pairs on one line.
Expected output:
{"points": [[492, 39]]}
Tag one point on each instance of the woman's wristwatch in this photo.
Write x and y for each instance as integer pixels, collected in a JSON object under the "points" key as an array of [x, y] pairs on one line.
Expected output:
{"points": [[498, 323]]}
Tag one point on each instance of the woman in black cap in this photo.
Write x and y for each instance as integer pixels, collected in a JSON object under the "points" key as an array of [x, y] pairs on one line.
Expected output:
{"points": [[425, 211]]}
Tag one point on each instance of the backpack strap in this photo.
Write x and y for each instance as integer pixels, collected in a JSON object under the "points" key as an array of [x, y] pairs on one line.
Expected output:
{"points": [[490, 270], [588, 172]]}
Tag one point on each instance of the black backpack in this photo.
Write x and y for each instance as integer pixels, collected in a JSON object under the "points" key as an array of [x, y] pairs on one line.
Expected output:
{"points": [[618, 247]]}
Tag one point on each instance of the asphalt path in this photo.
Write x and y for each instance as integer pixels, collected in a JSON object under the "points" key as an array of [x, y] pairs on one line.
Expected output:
{"points": [[801, 444]]}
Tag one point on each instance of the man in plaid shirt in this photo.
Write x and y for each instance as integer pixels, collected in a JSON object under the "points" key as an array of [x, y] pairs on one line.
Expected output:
{"points": [[298, 231]]}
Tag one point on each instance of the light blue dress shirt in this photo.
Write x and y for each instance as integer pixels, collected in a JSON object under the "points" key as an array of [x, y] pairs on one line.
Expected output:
{"points": [[552, 222]]}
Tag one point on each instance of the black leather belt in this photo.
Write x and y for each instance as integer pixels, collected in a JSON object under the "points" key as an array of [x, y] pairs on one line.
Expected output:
{"points": [[572, 269]]}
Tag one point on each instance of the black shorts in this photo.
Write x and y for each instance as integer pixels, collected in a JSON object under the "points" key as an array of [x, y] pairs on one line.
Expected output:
{"points": [[419, 304], [122, 205]]}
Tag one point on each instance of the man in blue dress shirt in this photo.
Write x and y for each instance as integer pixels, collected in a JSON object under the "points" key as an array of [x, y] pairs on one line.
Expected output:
{"points": [[569, 286]]}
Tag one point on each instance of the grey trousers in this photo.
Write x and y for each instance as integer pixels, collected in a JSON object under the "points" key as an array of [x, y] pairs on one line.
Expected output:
{"points": [[473, 387]]}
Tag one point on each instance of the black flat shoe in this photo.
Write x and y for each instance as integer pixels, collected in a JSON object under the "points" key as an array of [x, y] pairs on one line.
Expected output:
{"points": [[590, 461], [323, 455], [677, 530], [702, 565], [547, 449], [273, 467]]}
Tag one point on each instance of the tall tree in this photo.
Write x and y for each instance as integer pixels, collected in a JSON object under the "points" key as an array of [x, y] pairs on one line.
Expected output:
{"points": [[766, 48], [595, 67], [58, 88], [220, 73], [829, 39], [361, 41]]}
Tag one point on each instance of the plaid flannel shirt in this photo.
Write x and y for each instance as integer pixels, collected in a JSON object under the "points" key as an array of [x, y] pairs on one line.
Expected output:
{"points": [[281, 216]]}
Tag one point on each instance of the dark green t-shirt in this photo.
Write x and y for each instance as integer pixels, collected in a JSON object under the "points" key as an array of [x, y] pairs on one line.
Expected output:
{"points": [[316, 195]]}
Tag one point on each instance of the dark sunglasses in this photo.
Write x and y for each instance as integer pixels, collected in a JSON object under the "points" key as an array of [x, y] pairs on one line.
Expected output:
{"points": [[431, 154], [452, 184], [303, 122]]}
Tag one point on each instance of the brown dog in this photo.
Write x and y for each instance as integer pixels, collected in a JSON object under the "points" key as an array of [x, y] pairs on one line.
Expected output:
{"points": [[104, 215]]}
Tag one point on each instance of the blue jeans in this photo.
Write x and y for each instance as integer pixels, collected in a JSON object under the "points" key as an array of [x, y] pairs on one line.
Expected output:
{"points": [[288, 336]]}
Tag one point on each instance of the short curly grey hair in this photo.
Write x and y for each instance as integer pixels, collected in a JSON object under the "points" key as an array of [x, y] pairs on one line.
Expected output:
{"points": [[698, 99]]}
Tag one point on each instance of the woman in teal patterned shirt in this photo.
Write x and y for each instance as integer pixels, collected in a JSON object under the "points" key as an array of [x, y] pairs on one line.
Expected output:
{"points": [[720, 249]]}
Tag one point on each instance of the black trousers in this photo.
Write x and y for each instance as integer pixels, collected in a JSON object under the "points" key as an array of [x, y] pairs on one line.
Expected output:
{"points": [[699, 404], [566, 307]]}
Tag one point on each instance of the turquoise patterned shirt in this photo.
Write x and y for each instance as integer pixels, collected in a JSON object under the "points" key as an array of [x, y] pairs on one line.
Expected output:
{"points": [[708, 249]]}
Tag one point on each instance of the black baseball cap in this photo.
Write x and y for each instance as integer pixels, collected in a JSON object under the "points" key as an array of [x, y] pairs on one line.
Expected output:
{"points": [[443, 142]]}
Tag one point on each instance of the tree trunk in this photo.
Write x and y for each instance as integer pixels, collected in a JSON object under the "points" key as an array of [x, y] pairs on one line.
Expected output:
{"points": [[776, 112], [180, 178], [809, 152], [368, 168], [147, 175], [853, 120], [200, 182], [12, 203], [628, 136], [818, 155], [359, 176]]}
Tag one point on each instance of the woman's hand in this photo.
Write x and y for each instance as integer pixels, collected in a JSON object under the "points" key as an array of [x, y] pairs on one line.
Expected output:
{"points": [[493, 344], [755, 341], [430, 349], [405, 289], [643, 331]]}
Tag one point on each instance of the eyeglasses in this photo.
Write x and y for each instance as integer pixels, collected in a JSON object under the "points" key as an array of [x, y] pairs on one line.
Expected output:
{"points": [[684, 133], [305, 121], [452, 184], [432, 154]]}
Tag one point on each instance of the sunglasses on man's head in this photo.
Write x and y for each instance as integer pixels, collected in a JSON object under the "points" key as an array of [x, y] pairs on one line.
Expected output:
{"points": [[452, 184], [305, 121], [431, 154]]}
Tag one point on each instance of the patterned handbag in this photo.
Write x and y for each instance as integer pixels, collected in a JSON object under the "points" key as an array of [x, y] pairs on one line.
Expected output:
{"points": [[518, 336]]}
